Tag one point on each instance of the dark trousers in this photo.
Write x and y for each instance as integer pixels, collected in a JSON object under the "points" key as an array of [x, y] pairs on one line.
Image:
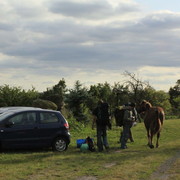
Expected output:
{"points": [[101, 137], [130, 136], [125, 135]]}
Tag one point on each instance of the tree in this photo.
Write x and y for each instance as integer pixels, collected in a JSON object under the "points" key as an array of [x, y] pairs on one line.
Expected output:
{"points": [[76, 101], [105, 91], [174, 93], [93, 97], [120, 94], [156, 98], [44, 104], [16, 96], [97, 92], [136, 87], [161, 98], [56, 94]]}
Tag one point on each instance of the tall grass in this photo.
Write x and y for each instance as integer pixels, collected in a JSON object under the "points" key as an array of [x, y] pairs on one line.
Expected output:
{"points": [[136, 162]]}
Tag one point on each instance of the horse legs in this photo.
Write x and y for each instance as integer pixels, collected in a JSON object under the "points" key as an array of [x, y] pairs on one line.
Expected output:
{"points": [[151, 145], [150, 138], [148, 134], [157, 141]]}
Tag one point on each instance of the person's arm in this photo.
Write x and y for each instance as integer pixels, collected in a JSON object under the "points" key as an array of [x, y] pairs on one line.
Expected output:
{"points": [[135, 114], [128, 116]]}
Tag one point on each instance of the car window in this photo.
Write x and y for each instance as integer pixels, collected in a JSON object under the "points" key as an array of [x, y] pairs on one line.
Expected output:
{"points": [[48, 117], [4, 115], [23, 118]]}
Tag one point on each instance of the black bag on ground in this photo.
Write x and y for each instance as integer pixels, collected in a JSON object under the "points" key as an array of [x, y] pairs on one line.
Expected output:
{"points": [[90, 143]]}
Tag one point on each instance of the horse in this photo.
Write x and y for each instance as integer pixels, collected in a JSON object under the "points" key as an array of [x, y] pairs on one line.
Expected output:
{"points": [[153, 121]]}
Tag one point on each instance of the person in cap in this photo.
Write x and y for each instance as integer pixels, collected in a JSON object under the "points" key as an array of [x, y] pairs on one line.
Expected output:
{"points": [[128, 120]]}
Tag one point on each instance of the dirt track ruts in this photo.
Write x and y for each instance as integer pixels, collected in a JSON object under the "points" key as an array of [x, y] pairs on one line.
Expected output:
{"points": [[162, 172]]}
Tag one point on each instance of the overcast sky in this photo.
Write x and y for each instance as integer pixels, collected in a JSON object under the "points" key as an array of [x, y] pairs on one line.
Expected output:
{"points": [[94, 41]]}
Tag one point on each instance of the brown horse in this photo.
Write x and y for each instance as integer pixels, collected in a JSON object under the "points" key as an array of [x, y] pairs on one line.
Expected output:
{"points": [[153, 121]]}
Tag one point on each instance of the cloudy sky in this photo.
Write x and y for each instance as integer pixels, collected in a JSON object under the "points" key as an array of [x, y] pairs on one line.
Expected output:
{"points": [[94, 41]]}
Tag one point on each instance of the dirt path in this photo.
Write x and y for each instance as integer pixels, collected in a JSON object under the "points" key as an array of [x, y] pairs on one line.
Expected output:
{"points": [[163, 172]]}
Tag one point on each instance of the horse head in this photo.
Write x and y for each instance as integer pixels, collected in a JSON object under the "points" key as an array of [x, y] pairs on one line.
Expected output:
{"points": [[143, 106]]}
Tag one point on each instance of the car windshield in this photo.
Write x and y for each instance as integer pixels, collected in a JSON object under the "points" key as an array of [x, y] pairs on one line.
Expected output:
{"points": [[5, 114]]}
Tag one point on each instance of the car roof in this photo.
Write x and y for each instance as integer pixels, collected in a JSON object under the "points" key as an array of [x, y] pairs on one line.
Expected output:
{"points": [[10, 108], [15, 109]]}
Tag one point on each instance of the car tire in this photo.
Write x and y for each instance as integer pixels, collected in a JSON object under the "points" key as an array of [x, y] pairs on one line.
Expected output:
{"points": [[0, 147], [59, 144]]}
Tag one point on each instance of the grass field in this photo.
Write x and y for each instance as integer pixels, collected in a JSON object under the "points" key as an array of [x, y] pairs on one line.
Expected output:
{"points": [[138, 162]]}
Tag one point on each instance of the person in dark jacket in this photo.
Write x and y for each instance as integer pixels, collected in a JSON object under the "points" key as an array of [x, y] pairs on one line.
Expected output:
{"points": [[101, 113], [128, 120], [134, 113]]}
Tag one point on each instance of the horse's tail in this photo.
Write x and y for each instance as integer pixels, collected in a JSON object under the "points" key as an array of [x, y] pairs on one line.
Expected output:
{"points": [[158, 122]]}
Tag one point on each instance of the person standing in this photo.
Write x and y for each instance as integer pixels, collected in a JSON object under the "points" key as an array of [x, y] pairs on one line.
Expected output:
{"points": [[128, 121], [101, 113], [134, 114]]}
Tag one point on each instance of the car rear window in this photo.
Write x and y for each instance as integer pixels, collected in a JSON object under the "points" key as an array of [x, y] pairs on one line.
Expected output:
{"points": [[48, 117]]}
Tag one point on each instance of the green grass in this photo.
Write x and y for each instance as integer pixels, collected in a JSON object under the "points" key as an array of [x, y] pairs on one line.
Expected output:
{"points": [[136, 162]]}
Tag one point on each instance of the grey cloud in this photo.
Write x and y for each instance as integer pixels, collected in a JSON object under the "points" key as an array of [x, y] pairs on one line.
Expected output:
{"points": [[60, 28], [111, 55], [68, 8], [162, 20], [127, 8], [5, 27], [63, 43], [27, 12], [22, 9], [90, 10]]}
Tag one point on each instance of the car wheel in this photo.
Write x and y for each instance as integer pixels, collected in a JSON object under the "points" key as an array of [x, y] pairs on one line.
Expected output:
{"points": [[59, 144], [0, 147]]}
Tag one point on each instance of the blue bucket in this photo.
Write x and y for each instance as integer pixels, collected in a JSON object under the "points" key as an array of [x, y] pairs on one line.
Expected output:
{"points": [[79, 142]]}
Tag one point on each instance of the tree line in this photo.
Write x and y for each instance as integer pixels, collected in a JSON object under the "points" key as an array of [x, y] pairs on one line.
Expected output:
{"points": [[77, 103]]}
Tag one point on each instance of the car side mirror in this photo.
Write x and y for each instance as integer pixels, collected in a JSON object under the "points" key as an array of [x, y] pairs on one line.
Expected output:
{"points": [[9, 124]]}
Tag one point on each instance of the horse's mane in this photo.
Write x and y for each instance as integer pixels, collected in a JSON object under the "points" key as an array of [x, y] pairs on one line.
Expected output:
{"points": [[147, 105]]}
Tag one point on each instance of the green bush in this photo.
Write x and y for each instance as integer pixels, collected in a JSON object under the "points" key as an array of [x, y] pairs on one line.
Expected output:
{"points": [[45, 104]]}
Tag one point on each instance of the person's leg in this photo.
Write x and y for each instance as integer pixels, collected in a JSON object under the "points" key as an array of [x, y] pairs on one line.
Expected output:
{"points": [[121, 134], [125, 136], [99, 139], [123, 143], [104, 137], [130, 135]]}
